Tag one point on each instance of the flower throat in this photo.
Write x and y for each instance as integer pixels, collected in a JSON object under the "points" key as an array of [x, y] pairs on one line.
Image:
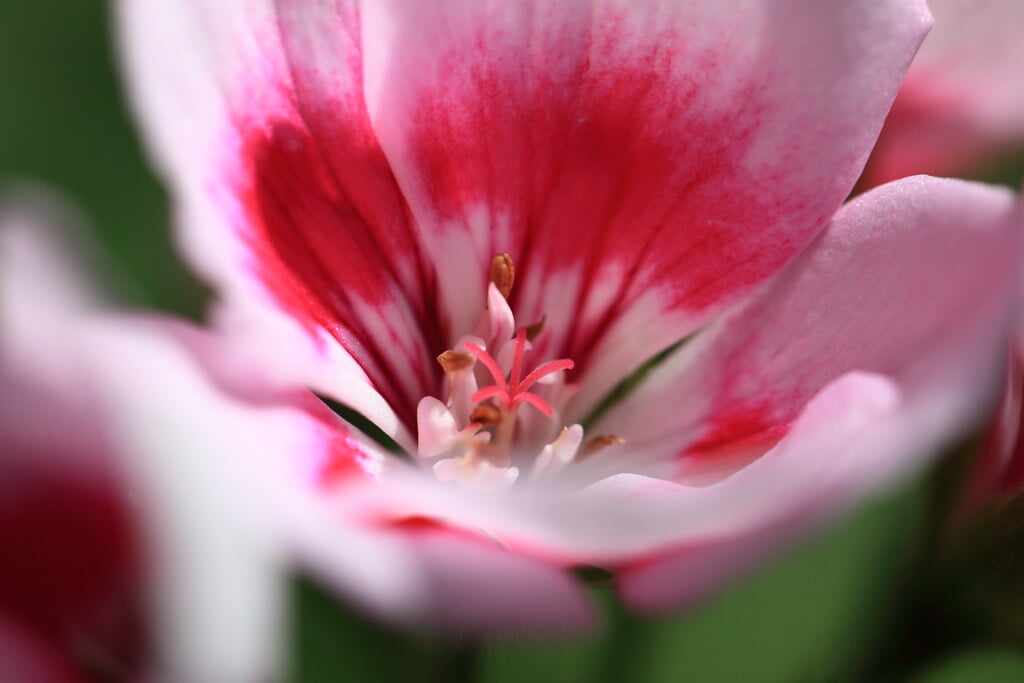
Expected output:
{"points": [[499, 423]]}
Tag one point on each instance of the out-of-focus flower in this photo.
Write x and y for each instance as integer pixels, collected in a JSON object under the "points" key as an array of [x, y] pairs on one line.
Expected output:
{"points": [[960, 107], [962, 103], [475, 223], [121, 558]]}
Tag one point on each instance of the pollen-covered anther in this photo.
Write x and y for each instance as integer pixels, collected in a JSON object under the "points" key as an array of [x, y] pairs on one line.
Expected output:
{"points": [[503, 273], [453, 361], [485, 415], [597, 443]]}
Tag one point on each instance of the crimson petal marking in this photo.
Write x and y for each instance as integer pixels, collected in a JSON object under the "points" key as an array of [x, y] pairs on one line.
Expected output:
{"points": [[634, 157], [639, 157], [316, 248]]}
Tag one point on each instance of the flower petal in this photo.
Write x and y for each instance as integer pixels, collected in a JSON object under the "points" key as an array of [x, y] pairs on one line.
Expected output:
{"points": [[191, 98], [636, 158], [208, 447], [914, 280], [218, 587], [628, 517], [26, 657], [43, 286], [474, 585]]}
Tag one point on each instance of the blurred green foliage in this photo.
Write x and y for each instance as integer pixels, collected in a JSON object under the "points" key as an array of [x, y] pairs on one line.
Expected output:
{"points": [[64, 123]]}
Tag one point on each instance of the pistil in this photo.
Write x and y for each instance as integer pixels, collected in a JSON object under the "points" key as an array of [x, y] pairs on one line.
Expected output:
{"points": [[474, 433]]}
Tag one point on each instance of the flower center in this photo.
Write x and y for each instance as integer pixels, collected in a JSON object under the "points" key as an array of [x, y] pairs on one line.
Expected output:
{"points": [[481, 435]]}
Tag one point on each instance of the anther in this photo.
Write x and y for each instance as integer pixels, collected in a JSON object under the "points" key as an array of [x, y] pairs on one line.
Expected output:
{"points": [[503, 273], [485, 415], [534, 330], [597, 443], [453, 361]]}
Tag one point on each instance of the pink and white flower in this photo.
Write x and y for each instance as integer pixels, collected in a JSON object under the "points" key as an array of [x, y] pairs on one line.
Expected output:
{"points": [[961, 110], [473, 222], [962, 103], [118, 563]]}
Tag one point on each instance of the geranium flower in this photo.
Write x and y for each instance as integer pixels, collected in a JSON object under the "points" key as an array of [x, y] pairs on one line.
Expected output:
{"points": [[960, 110], [119, 562], [581, 262], [961, 106]]}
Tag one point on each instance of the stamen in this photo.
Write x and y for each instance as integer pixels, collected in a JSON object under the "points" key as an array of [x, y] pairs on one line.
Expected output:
{"points": [[533, 331], [475, 436], [599, 442], [453, 361], [485, 415], [503, 273]]}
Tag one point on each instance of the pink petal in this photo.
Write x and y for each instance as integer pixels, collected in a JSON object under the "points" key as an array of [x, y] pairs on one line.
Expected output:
{"points": [[913, 280], [628, 517], [635, 159], [189, 99], [859, 421], [194, 456], [244, 481], [73, 568], [73, 574], [961, 104], [44, 285], [471, 585]]}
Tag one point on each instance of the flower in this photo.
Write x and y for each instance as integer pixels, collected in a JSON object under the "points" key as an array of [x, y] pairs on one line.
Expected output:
{"points": [[961, 105], [118, 562], [581, 263], [959, 110]]}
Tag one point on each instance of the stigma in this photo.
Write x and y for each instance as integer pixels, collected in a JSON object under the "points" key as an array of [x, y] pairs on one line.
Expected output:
{"points": [[497, 420]]}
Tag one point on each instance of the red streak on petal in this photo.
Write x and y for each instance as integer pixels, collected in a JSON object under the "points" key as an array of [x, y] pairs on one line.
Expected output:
{"points": [[415, 524], [616, 162], [709, 464], [737, 437], [327, 243], [345, 458]]}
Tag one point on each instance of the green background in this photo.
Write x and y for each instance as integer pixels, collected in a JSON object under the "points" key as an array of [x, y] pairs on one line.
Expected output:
{"points": [[806, 617]]}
